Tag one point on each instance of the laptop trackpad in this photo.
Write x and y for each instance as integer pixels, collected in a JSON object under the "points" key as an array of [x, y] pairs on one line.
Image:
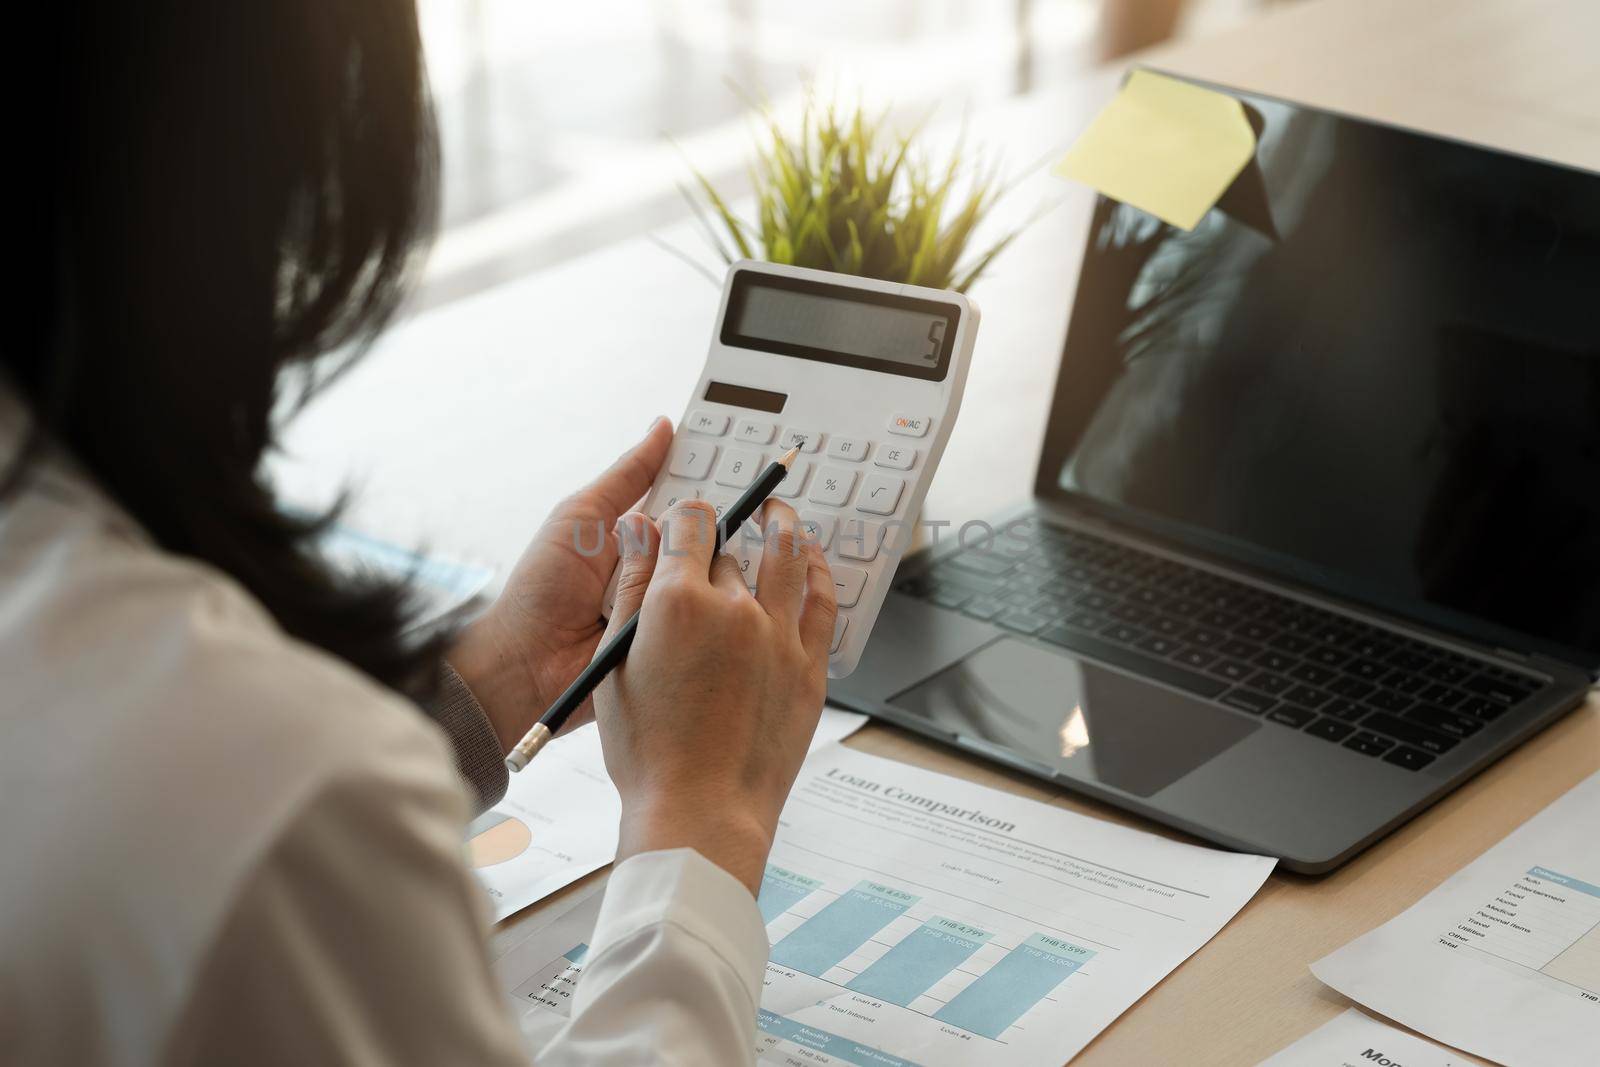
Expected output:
{"points": [[1085, 721]]}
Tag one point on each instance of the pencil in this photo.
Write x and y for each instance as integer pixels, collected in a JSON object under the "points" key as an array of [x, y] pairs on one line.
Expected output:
{"points": [[614, 651]]}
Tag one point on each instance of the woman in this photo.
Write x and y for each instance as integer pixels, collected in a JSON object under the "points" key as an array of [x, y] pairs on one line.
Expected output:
{"points": [[229, 835]]}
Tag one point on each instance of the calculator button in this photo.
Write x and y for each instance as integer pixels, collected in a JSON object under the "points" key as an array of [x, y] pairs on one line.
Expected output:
{"points": [[839, 626], [819, 528], [795, 481], [738, 468], [849, 449], [832, 485], [847, 584], [909, 425], [692, 459], [880, 494], [710, 423], [896, 457], [755, 432], [804, 440], [746, 552], [860, 539], [670, 496]]}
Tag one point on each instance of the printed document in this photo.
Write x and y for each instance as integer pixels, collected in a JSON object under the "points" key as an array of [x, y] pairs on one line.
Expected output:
{"points": [[1355, 1039], [920, 919], [558, 820], [1503, 959]]}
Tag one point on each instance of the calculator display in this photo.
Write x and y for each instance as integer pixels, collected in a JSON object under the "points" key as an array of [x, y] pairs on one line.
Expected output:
{"points": [[840, 324]]}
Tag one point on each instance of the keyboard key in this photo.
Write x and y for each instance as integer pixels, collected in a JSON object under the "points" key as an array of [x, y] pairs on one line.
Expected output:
{"points": [[848, 582], [849, 449], [1290, 715], [1329, 657], [1451, 722], [1410, 732], [1024, 622], [880, 494], [1256, 631], [1368, 744], [1354, 688], [1291, 642], [1312, 673], [1389, 700], [1159, 645], [1246, 700], [1405, 683], [1487, 710], [804, 440], [710, 423], [839, 626], [1348, 710], [1238, 649], [1493, 688], [793, 482], [1409, 660], [1122, 633], [1276, 661], [1367, 668], [859, 539], [739, 467], [1204, 637], [1446, 671], [1273, 684], [1304, 694], [952, 597], [980, 562], [1330, 729], [895, 457], [1137, 662], [1196, 657], [832, 486], [1232, 669], [755, 431], [910, 425], [1409, 758], [670, 495], [692, 459], [819, 528], [982, 608], [1167, 625]]}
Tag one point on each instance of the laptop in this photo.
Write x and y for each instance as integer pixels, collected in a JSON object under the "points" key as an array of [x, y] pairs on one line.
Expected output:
{"points": [[1315, 532]]}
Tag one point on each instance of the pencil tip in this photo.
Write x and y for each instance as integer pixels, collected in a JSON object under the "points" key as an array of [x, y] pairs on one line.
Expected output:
{"points": [[788, 458]]}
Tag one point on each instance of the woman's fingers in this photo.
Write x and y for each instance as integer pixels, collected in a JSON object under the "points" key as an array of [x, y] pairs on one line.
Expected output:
{"points": [[727, 575], [637, 542], [820, 606], [781, 580], [688, 542]]}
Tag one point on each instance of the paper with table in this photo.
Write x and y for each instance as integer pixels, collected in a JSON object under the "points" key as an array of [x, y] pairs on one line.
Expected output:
{"points": [[1164, 146], [918, 918], [1355, 1039], [558, 820], [1502, 959]]}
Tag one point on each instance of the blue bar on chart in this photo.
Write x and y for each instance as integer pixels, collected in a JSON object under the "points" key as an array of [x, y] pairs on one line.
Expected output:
{"points": [[576, 953], [918, 960], [840, 928], [782, 890], [1024, 976]]}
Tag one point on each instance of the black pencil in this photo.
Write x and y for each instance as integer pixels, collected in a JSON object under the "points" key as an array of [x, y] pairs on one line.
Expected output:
{"points": [[614, 651]]}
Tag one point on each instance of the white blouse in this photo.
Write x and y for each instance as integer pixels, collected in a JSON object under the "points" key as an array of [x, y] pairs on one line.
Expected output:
{"points": [[220, 845]]}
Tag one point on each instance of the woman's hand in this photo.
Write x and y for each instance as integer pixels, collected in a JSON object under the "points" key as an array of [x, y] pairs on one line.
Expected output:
{"points": [[544, 627], [705, 724]]}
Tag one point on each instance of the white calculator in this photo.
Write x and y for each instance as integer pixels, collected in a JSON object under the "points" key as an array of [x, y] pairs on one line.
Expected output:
{"points": [[866, 378]]}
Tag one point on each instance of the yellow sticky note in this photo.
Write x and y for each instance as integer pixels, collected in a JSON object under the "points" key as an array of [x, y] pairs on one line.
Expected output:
{"points": [[1163, 146]]}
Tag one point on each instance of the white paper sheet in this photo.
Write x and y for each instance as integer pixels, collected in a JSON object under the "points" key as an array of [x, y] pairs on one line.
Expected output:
{"points": [[1503, 959], [1355, 1039], [558, 820], [918, 918]]}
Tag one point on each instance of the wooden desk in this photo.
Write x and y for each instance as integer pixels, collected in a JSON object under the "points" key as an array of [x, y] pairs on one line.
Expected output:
{"points": [[483, 401]]}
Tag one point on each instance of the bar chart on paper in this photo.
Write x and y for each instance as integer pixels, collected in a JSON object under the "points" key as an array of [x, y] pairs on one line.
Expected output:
{"points": [[917, 919]]}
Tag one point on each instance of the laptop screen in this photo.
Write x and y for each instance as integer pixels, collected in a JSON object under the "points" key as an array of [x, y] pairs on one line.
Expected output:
{"points": [[1375, 366]]}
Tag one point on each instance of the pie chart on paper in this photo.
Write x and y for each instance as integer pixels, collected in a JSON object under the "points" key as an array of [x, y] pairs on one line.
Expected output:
{"points": [[495, 837]]}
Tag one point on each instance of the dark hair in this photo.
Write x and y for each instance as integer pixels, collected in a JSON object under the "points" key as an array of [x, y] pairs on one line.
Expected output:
{"points": [[226, 190]]}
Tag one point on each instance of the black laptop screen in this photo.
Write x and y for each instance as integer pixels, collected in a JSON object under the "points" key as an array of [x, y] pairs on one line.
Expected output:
{"points": [[1376, 366]]}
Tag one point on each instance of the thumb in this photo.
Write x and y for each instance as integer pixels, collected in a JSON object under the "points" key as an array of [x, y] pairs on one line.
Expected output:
{"points": [[638, 544]]}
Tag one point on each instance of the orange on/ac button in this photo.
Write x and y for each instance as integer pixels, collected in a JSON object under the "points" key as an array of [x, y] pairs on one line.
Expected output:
{"points": [[909, 425]]}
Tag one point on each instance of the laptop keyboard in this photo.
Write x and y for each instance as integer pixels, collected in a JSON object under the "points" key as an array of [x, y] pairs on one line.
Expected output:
{"points": [[1372, 690]]}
